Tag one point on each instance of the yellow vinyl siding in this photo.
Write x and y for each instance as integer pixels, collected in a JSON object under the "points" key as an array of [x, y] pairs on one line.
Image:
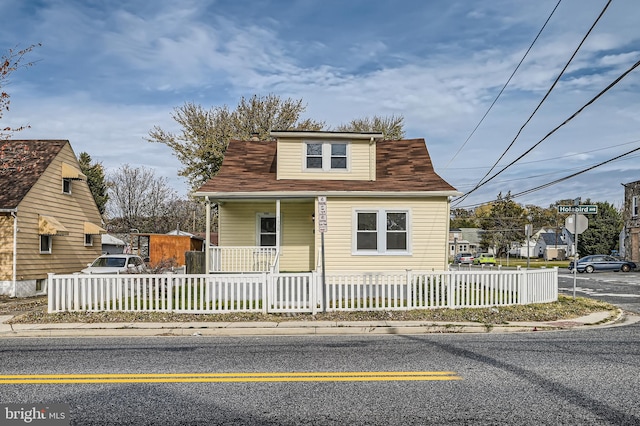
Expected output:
{"points": [[427, 227], [68, 253], [6, 247], [238, 227], [292, 157]]}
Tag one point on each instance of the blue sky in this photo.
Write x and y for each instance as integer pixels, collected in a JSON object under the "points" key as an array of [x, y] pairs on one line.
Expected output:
{"points": [[108, 71]]}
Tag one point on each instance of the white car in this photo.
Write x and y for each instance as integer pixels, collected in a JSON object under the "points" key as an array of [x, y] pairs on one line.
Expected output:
{"points": [[116, 264]]}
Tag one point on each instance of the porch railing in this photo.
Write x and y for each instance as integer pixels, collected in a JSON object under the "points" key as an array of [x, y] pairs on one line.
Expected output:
{"points": [[301, 292], [243, 259]]}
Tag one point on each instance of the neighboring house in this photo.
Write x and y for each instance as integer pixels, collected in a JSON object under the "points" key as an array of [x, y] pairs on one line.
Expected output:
{"points": [[49, 220], [381, 203], [551, 246], [630, 247], [464, 240]]}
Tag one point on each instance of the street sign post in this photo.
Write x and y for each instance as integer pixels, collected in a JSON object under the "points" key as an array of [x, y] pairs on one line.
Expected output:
{"points": [[577, 225], [322, 227]]}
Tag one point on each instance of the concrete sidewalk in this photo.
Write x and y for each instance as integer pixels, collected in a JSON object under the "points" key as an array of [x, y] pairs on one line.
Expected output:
{"points": [[284, 328]]}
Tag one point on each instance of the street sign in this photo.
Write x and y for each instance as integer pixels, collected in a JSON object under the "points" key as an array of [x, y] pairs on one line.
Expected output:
{"points": [[578, 209], [578, 223], [322, 214]]}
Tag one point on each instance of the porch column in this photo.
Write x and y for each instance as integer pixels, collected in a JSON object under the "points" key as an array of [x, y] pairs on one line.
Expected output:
{"points": [[277, 265], [207, 240]]}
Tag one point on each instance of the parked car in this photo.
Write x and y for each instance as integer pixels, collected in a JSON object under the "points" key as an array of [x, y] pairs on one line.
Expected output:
{"points": [[602, 262], [484, 259], [463, 258], [116, 264]]}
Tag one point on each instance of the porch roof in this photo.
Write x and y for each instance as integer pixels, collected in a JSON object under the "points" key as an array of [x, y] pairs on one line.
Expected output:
{"points": [[403, 167]]}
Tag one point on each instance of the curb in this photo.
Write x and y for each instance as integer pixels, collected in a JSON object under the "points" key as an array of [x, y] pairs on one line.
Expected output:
{"points": [[297, 328]]}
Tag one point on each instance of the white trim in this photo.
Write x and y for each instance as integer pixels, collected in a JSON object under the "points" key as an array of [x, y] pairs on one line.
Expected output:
{"points": [[635, 206], [259, 217], [381, 232], [326, 157], [70, 185], [50, 244], [85, 240]]}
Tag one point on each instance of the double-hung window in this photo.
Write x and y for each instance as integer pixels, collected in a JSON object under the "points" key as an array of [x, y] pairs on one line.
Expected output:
{"points": [[635, 206], [326, 156], [381, 231]]}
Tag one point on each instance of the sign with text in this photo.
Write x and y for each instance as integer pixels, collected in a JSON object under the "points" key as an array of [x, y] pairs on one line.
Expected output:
{"points": [[322, 214], [578, 209]]}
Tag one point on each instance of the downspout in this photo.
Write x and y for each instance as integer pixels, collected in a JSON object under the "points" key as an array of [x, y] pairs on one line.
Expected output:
{"points": [[15, 252], [207, 255]]}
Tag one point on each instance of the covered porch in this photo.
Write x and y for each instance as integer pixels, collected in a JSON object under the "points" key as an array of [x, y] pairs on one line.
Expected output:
{"points": [[263, 235]]}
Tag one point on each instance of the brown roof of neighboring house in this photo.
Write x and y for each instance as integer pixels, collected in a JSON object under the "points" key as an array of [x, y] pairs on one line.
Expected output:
{"points": [[402, 166], [22, 162]]}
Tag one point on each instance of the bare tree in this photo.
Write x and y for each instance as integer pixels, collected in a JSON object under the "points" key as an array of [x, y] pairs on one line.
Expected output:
{"points": [[9, 63], [138, 198]]}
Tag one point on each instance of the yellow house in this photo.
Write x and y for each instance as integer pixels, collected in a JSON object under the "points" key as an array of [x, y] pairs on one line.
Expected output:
{"points": [[49, 221], [372, 204]]}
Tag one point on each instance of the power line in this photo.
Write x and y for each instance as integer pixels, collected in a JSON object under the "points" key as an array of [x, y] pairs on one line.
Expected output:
{"points": [[546, 185], [574, 115], [544, 160], [482, 180], [505, 86]]}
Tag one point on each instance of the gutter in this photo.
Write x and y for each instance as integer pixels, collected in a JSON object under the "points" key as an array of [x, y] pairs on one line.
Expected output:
{"points": [[313, 194]]}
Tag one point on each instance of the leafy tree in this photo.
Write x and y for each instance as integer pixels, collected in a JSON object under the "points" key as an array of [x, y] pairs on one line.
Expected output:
{"points": [[201, 144], [503, 223], [95, 180], [9, 63], [391, 127], [463, 218], [603, 232]]}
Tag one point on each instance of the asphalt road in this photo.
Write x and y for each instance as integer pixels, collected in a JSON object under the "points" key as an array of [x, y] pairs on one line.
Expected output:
{"points": [[544, 378], [619, 288]]}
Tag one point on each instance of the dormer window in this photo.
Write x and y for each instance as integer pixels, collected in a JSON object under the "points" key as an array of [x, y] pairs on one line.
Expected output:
{"points": [[326, 156]]}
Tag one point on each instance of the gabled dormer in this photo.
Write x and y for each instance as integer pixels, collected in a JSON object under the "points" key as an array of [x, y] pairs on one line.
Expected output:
{"points": [[326, 155]]}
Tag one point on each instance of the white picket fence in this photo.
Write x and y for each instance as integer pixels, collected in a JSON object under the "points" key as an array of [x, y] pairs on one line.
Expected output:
{"points": [[300, 292]]}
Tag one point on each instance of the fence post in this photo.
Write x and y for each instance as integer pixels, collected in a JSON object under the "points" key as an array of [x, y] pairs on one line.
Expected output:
{"points": [[76, 292], [409, 291], [267, 285], [50, 290], [313, 293], [524, 287], [450, 295]]}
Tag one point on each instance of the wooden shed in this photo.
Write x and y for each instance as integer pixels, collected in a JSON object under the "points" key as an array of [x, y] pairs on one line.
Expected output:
{"points": [[157, 248]]}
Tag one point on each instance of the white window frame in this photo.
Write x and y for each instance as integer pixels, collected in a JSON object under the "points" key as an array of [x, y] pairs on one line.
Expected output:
{"points": [[381, 231], [64, 181], [50, 244], [635, 206], [259, 218], [327, 157], [88, 240]]}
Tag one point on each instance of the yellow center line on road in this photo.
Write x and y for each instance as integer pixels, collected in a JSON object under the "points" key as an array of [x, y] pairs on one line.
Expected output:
{"points": [[362, 376]]}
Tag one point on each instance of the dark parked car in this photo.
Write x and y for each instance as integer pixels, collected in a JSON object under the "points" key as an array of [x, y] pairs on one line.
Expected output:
{"points": [[463, 258], [602, 262]]}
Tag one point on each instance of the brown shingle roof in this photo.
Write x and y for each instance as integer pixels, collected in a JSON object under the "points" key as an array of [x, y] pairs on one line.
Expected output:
{"points": [[22, 162], [402, 166]]}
